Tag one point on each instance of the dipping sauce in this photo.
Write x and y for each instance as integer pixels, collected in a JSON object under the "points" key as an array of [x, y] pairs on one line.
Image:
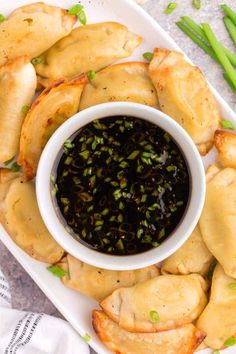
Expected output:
{"points": [[122, 185]]}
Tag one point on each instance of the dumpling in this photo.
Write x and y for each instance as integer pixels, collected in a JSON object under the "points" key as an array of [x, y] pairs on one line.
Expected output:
{"points": [[32, 29], [120, 82], [225, 143], [17, 88], [184, 95], [182, 340], [21, 218], [53, 107], [158, 304], [218, 219], [6, 177], [99, 283], [218, 320], [192, 257], [90, 47]]}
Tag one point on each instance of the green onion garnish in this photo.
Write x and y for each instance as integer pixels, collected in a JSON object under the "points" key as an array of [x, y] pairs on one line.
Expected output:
{"points": [[2, 18], [15, 167], [154, 316], [78, 10], [38, 60], [91, 75], [25, 110], [148, 56], [229, 12], [68, 144], [216, 352], [232, 286], [57, 271], [8, 162], [227, 124], [197, 4], [86, 337], [170, 8], [230, 342]]}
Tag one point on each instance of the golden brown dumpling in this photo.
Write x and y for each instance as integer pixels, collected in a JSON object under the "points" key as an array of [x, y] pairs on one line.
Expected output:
{"points": [[218, 219], [121, 82], [90, 47], [99, 283], [21, 218], [184, 95], [53, 107], [218, 320], [173, 300], [17, 88], [225, 143], [6, 177], [182, 340], [32, 29], [192, 257]]}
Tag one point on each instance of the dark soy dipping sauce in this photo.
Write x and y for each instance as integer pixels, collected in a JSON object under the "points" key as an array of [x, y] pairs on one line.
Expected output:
{"points": [[122, 185]]}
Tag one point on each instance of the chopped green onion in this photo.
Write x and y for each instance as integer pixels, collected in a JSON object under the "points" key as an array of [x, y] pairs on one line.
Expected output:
{"points": [[197, 4], [222, 57], [124, 164], [68, 160], [230, 342], [147, 239], [230, 28], [120, 245], [148, 56], [227, 124], [232, 286], [82, 17], [229, 12], [105, 212], [133, 155], [24, 110], [144, 198], [57, 271], [117, 194], [2, 18], [75, 10], [85, 154], [38, 60], [86, 337], [154, 316], [65, 201], [171, 168], [161, 233], [68, 144], [15, 167], [6, 163], [170, 8], [91, 75]]}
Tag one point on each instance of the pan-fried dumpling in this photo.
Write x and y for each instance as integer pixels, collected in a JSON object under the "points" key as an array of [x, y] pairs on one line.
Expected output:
{"points": [[225, 143], [6, 177], [158, 304], [184, 95], [192, 257], [53, 107], [90, 47], [32, 29], [17, 88], [120, 82], [218, 219], [21, 218], [99, 283], [182, 340], [218, 320]]}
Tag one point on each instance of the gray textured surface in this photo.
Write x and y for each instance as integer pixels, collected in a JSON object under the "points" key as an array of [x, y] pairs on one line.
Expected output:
{"points": [[26, 295]]}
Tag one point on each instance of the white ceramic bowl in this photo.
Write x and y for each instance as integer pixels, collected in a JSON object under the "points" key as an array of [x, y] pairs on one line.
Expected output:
{"points": [[55, 225]]}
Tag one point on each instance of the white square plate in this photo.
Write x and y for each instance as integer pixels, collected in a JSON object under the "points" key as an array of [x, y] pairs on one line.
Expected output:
{"points": [[75, 307]]}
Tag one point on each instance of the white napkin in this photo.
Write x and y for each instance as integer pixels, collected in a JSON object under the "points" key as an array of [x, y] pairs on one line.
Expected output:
{"points": [[30, 333]]}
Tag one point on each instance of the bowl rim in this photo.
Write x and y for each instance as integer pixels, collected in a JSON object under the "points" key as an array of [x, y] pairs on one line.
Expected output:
{"points": [[176, 238]]}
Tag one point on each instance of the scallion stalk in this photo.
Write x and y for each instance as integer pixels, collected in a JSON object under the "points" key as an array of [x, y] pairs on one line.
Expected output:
{"points": [[229, 12], [197, 40], [230, 28], [222, 57]]}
